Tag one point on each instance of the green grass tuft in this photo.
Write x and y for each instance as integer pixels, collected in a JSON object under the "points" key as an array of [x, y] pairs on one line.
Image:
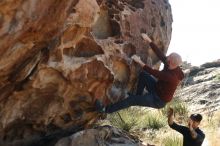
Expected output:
{"points": [[172, 141], [137, 118], [217, 77], [180, 108], [125, 119], [154, 120]]}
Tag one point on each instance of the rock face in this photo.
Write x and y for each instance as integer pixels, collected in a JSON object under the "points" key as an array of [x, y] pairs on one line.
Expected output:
{"points": [[101, 136], [57, 57]]}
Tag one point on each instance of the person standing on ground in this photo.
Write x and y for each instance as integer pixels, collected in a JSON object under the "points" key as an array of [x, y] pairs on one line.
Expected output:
{"points": [[192, 135]]}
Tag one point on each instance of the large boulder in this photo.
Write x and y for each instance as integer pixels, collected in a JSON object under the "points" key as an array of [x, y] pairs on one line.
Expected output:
{"points": [[57, 57], [100, 136]]}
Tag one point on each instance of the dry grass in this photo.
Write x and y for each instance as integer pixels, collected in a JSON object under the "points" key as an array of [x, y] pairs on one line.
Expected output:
{"points": [[212, 130], [172, 140]]}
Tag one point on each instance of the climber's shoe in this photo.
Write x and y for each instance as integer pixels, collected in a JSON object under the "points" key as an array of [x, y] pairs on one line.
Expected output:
{"points": [[129, 94], [99, 106]]}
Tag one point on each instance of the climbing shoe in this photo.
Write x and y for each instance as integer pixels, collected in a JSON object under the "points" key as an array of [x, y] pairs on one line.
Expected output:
{"points": [[99, 106]]}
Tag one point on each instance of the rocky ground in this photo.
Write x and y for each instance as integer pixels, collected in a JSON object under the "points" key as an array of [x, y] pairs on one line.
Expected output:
{"points": [[101, 136]]}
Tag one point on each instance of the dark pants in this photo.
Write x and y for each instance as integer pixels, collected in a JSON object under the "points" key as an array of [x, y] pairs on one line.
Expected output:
{"points": [[150, 99]]}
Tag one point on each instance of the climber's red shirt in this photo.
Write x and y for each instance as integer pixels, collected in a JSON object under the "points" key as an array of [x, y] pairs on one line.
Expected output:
{"points": [[168, 80]]}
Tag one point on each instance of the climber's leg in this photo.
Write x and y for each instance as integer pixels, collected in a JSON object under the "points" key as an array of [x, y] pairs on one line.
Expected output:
{"points": [[145, 80], [148, 100]]}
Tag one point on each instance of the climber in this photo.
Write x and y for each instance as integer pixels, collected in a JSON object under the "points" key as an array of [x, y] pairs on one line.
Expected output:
{"points": [[192, 135], [160, 85]]}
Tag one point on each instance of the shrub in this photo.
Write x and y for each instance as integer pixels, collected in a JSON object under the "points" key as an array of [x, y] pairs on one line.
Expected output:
{"points": [[126, 119], [180, 108], [172, 141], [137, 118], [217, 77], [154, 120]]}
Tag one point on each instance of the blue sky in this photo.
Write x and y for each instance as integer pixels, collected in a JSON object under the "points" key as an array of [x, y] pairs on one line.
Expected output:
{"points": [[196, 30]]}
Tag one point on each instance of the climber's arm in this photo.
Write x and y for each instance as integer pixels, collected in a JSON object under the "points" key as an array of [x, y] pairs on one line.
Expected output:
{"points": [[154, 47]]}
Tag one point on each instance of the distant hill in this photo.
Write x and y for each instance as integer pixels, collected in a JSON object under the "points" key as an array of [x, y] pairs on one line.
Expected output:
{"points": [[201, 86]]}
